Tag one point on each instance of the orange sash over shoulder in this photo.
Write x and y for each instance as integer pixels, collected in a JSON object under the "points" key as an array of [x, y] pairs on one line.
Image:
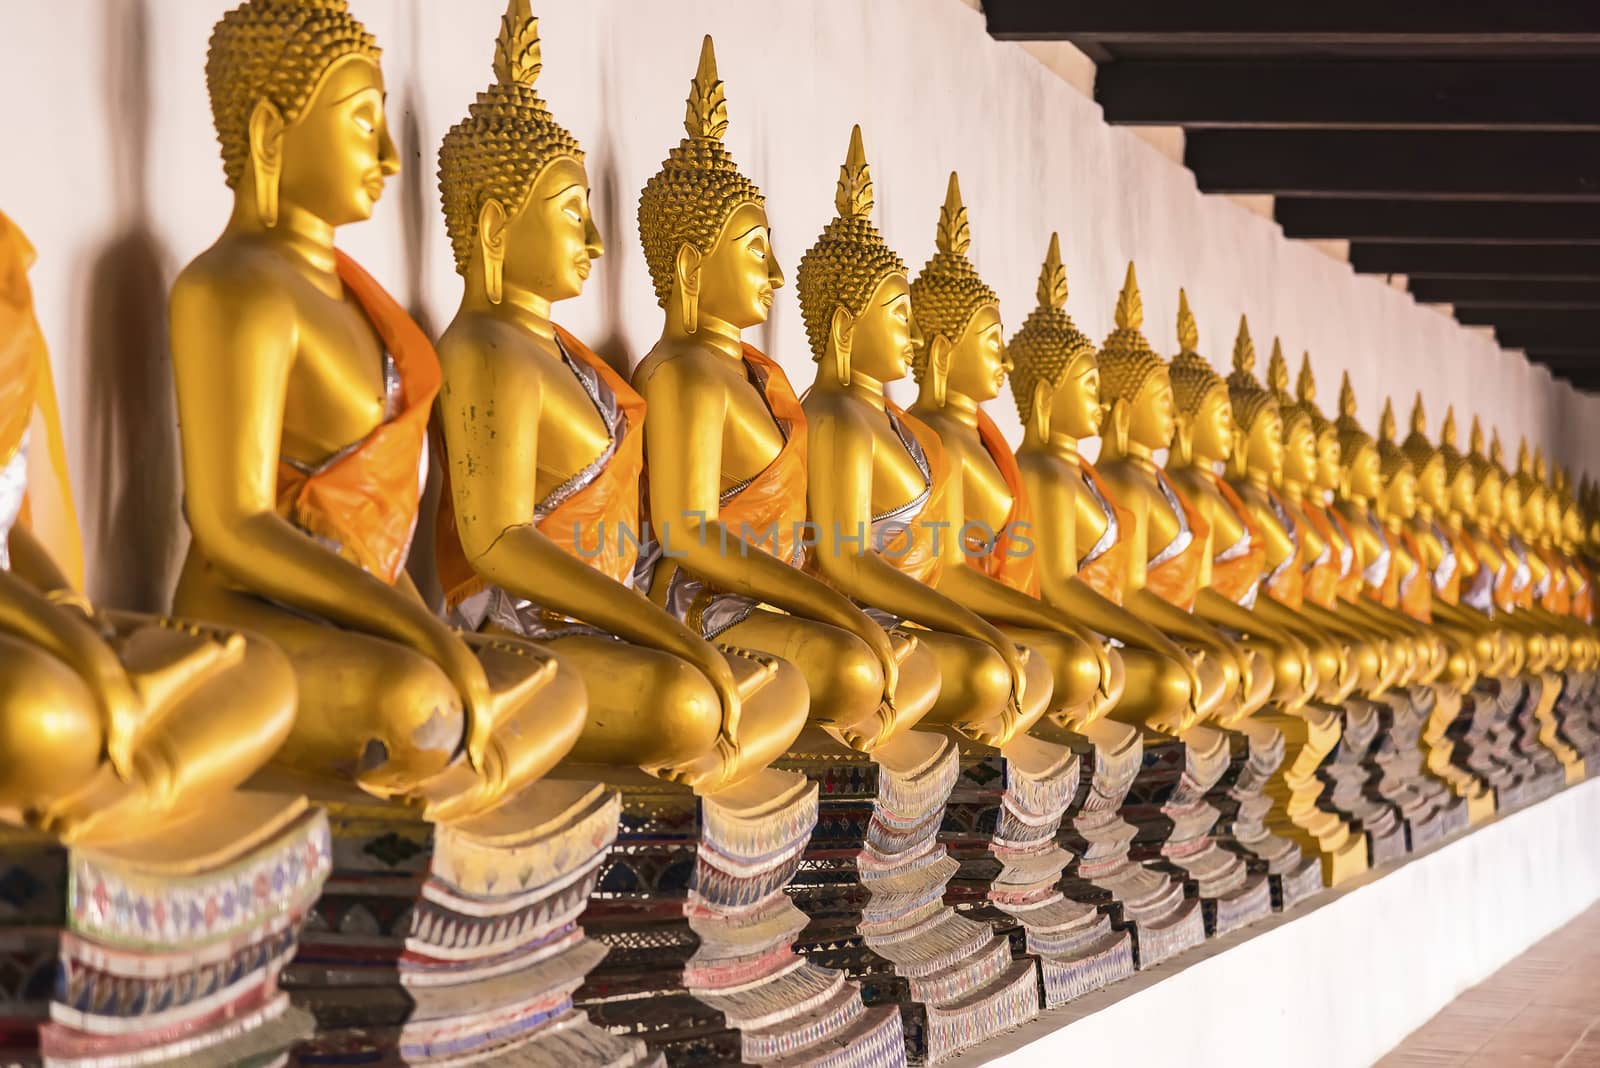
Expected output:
{"points": [[1005, 561], [366, 499], [1558, 597], [1237, 575], [1322, 575], [1350, 578], [590, 522], [772, 505], [911, 550], [1173, 573], [1286, 583], [1415, 589], [1583, 592], [1106, 572], [28, 400]]}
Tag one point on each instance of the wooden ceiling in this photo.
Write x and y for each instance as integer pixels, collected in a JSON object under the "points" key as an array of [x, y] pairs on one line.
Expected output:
{"points": [[1456, 142]]}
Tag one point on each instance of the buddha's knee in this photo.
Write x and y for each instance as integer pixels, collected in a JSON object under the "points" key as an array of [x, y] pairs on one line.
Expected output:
{"points": [[1172, 693], [419, 727], [1288, 669], [851, 686], [51, 735], [688, 715], [1074, 668], [988, 684]]}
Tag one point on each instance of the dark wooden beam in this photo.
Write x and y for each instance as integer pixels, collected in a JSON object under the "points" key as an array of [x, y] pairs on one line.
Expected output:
{"points": [[1272, 21], [1554, 262], [1452, 165], [1580, 323], [1446, 221], [1506, 292], [1547, 339], [1547, 94]]}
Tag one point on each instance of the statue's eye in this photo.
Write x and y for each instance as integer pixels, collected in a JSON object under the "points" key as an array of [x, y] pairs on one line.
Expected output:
{"points": [[758, 252], [573, 213], [365, 122]]}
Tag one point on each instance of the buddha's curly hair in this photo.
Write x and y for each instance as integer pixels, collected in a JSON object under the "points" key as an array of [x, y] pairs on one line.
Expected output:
{"points": [[1049, 344], [276, 50]]}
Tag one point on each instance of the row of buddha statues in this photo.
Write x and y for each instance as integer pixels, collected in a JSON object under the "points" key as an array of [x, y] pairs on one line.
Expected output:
{"points": [[1212, 686]]}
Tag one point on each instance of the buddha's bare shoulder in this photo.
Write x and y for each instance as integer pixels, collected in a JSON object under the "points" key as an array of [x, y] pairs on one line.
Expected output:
{"points": [[677, 362], [240, 272], [476, 338]]}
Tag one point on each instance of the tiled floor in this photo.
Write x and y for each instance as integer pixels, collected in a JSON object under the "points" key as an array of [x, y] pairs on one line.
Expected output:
{"points": [[1542, 1011]]}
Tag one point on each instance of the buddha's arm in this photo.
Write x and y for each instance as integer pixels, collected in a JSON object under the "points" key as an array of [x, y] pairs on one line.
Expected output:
{"points": [[841, 506], [29, 615], [31, 561], [683, 440], [233, 342], [1055, 510], [993, 599], [490, 408]]}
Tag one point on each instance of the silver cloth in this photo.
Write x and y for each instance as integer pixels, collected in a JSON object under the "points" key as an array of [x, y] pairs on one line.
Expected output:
{"points": [[1109, 536], [1447, 563], [1185, 536], [13, 488], [888, 525]]}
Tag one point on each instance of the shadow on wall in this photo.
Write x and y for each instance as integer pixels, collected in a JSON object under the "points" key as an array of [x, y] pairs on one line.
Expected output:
{"points": [[132, 426]]}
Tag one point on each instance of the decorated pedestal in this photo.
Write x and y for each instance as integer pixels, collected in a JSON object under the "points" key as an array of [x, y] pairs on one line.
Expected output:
{"points": [[874, 884], [448, 945], [1548, 724], [1486, 741], [1443, 758], [1309, 735], [1002, 824], [1351, 792], [1168, 805], [702, 964], [1240, 796], [1578, 711], [1148, 901], [166, 949], [1428, 808], [1544, 772]]}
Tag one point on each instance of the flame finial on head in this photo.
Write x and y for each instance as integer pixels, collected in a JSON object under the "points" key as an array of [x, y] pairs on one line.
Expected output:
{"points": [[1049, 344], [954, 235], [518, 55], [1418, 449], [1127, 361], [1193, 378], [1250, 399], [853, 200], [1278, 371], [949, 292], [850, 259], [706, 116]]}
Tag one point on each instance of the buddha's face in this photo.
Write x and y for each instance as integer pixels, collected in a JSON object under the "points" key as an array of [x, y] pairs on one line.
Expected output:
{"points": [[1552, 515], [1594, 533], [739, 274], [1212, 434], [1263, 445], [1533, 513], [1153, 419], [880, 343], [338, 154], [1075, 408], [1300, 453], [1490, 498], [1330, 460], [552, 241], [1400, 496], [1511, 502], [979, 361], [1430, 484], [1463, 491], [1572, 526], [1366, 476]]}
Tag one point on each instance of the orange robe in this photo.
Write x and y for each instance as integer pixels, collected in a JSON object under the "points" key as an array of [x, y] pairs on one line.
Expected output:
{"points": [[1173, 573], [903, 538], [1414, 589], [1104, 567], [771, 507], [29, 415], [590, 521], [1322, 575], [1007, 559], [1236, 570], [364, 501]]}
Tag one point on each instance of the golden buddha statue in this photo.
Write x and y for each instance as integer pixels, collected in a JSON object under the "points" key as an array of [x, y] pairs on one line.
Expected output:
{"points": [[726, 449], [1165, 547], [960, 362], [891, 484], [1249, 550], [1082, 545], [1240, 423], [304, 451], [884, 515], [118, 727], [1167, 553], [545, 450]]}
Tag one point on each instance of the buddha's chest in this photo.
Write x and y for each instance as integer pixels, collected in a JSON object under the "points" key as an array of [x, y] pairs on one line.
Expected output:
{"points": [[572, 430], [337, 391], [986, 496], [751, 438], [897, 478]]}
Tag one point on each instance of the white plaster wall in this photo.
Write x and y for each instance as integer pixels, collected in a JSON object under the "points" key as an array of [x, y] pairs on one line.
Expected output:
{"points": [[1340, 986], [112, 168]]}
